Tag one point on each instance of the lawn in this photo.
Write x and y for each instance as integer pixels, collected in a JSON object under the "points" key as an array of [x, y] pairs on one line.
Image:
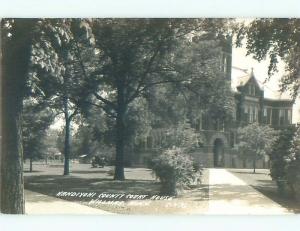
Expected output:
{"points": [[48, 180], [263, 183]]}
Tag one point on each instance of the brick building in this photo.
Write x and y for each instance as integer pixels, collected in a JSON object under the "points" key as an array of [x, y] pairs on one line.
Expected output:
{"points": [[219, 138]]}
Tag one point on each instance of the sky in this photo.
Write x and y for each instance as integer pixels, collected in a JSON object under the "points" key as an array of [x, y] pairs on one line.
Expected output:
{"points": [[260, 69]]}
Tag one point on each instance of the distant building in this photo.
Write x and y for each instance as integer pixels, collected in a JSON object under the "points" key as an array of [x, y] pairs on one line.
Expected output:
{"points": [[251, 106], [219, 137]]}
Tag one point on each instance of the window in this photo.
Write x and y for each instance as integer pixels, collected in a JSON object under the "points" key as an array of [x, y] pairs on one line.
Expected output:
{"points": [[246, 114], [255, 114], [281, 116], [269, 116], [225, 64], [265, 112], [251, 112], [253, 90], [289, 116]]}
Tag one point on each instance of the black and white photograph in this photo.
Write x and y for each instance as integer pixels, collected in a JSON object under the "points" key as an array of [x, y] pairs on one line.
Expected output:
{"points": [[150, 116]]}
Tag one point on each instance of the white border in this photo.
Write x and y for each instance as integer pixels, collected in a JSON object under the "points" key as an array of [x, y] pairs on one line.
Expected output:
{"points": [[149, 8]]}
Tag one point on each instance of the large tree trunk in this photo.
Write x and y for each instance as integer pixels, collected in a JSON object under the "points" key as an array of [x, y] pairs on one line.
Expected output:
{"points": [[15, 59], [120, 134], [12, 183]]}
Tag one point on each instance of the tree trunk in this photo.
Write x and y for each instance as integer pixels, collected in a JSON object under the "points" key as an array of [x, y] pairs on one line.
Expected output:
{"points": [[254, 165], [67, 148], [30, 164], [15, 59], [120, 135], [12, 183]]}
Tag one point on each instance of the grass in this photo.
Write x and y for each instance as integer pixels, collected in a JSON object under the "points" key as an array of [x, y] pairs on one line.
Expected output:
{"points": [[48, 180], [263, 183]]}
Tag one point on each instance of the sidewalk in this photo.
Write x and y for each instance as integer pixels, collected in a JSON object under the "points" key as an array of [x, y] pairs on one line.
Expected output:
{"points": [[37, 203], [230, 195]]}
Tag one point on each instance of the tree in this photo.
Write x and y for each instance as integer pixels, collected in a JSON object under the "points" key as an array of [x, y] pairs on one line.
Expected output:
{"points": [[135, 56], [280, 152], [293, 164], [255, 141], [56, 72], [16, 38], [275, 38], [200, 62], [35, 123]]}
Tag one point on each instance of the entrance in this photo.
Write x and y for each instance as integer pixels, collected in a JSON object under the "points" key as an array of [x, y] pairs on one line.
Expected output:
{"points": [[218, 151]]}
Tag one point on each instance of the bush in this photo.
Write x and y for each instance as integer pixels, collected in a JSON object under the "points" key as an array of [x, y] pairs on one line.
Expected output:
{"points": [[175, 170], [278, 157], [293, 164]]}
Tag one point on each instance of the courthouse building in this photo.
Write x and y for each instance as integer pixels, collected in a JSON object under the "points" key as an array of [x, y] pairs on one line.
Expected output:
{"points": [[219, 138]]}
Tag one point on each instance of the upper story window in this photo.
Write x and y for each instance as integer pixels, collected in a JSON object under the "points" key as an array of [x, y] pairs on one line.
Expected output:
{"points": [[251, 89]]}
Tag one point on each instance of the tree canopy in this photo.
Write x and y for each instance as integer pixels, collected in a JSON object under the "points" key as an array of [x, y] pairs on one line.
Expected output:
{"points": [[255, 141], [133, 57], [275, 38]]}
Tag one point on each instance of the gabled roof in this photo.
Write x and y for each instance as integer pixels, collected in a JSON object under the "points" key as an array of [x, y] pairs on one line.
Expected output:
{"points": [[240, 78], [243, 80]]}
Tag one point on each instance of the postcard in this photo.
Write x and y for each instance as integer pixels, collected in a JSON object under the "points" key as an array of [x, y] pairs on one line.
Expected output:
{"points": [[150, 116]]}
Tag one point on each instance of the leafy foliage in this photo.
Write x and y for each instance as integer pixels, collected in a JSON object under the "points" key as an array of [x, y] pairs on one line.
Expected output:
{"points": [[280, 153], [57, 70], [276, 38], [182, 136], [36, 121], [133, 57], [293, 163], [174, 169], [255, 141]]}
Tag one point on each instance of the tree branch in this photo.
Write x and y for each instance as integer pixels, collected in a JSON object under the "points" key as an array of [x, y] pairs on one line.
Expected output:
{"points": [[99, 97]]}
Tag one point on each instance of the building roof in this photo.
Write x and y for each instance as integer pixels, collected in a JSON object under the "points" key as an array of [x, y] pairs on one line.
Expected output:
{"points": [[240, 78]]}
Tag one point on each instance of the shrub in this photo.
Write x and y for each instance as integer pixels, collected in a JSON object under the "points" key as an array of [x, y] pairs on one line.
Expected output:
{"points": [[278, 157], [293, 164], [175, 170]]}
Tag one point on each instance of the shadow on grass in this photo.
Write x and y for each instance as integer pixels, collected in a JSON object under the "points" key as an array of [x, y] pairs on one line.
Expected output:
{"points": [[93, 170], [50, 185], [250, 172]]}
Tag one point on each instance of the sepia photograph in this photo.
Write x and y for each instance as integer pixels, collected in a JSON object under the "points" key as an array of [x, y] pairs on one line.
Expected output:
{"points": [[150, 116]]}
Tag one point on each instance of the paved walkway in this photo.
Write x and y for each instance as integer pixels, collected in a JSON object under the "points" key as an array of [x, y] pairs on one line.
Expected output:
{"points": [[230, 195], [37, 203]]}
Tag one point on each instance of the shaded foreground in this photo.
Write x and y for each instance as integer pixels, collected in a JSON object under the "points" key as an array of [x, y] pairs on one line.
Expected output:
{"points": [[48, 181], [223, 191]]}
